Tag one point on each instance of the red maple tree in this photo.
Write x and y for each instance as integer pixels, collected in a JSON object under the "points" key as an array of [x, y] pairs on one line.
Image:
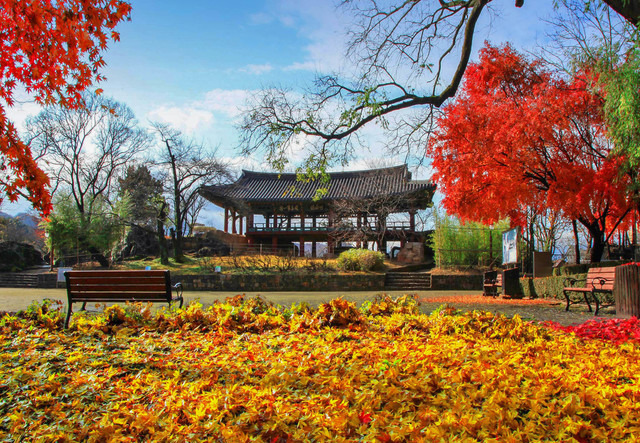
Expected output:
{"points": [[52, 49], [517, 138]]}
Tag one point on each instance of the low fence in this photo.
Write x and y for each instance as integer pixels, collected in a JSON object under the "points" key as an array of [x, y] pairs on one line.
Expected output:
{"points": [[289, 281]]}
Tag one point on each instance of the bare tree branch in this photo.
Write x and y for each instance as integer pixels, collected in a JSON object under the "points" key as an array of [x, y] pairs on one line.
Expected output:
{"points": [[387, 40]]}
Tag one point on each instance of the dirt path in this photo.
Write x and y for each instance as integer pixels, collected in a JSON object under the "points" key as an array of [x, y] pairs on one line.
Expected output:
{"points": [[15, 299]]}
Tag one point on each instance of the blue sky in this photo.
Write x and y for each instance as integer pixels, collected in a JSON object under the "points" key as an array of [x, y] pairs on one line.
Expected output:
{"points": [[193, 63]]}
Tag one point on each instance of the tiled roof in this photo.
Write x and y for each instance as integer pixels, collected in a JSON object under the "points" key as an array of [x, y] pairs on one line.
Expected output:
{"points": [[273, 187]]}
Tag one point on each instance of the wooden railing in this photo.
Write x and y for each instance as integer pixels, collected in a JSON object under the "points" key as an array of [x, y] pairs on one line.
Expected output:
{"points": [[262, 227]]}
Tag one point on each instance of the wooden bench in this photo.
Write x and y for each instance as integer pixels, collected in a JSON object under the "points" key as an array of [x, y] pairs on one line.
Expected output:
{"points": [[492, 282], [599, 282], [119, 286]]}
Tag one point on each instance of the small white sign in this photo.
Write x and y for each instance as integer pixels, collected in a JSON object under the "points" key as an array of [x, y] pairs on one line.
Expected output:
{"points": [[61, 272], [510, 246]]}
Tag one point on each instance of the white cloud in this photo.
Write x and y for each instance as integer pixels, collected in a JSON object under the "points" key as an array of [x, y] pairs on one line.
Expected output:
{"points": [[226, 101], [261, 18], [257, 69], [187, 119], [317, 22], [20, 112]]}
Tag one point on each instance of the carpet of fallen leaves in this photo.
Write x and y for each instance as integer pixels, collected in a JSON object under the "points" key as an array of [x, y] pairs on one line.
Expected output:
{"points": [[245, 370], [483, 300]]}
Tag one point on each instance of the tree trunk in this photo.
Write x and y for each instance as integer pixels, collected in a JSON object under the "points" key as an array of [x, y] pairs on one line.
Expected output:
{"points": [[177, 241], [577, 239], [162, 241], [598, 243]]}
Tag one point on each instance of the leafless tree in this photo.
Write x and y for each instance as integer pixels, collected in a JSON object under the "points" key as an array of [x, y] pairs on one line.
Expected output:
{"points": [[187, 165], [84, 150], [594, 36], [401, 49]]}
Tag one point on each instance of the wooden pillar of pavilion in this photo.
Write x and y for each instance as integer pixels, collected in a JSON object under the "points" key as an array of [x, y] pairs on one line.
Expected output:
{"points": [[226, 220], [250, 221], [313, 249], [240, 228], [359, 224], [233, 222], [301, 246]]}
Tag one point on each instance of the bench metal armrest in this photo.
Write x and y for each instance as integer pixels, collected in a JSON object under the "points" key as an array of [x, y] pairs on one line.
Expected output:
{"points": [[600, 281], [569, 282], [178, 288]]}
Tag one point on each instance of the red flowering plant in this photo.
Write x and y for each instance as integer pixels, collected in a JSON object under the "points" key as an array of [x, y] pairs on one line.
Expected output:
{"points": [[614, 330]]}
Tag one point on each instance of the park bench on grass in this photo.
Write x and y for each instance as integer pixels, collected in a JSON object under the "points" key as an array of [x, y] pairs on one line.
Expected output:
{"points": [[492, 282], [119, 286], [599, 282]]}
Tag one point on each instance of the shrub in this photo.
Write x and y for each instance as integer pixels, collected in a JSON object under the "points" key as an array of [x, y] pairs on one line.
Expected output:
{"points": [[584, 267], [360, 260]]}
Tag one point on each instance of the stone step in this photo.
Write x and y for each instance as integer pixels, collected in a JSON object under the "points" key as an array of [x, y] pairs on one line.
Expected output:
{"points": [[13, 280], [407, 281]]}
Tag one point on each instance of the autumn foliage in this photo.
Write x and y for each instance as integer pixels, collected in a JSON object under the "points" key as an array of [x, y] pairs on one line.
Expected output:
{"points": [[246, 370], [520, 138], [52, 49]]}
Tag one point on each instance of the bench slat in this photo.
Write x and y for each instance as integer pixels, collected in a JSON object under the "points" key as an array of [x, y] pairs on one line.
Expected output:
{"points": [[118, 288], [119, 296], [132, 279], [111, 274]]}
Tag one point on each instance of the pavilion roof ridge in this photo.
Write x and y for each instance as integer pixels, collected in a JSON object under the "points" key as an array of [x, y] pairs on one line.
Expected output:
{"points": [[376, 171]]}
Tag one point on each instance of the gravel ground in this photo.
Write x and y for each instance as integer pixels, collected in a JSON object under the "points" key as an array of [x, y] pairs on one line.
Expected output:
{"points": [[15, 299]]}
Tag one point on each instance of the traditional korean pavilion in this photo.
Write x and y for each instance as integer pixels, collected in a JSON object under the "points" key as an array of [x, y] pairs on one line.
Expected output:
{"points": [[274, 210]]}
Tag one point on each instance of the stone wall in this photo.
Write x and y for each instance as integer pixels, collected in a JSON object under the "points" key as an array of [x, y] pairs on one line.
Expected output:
{"points": [[281, 282], [457, 282]]}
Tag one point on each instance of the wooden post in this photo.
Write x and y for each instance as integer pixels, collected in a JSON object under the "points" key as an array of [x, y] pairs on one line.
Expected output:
{"points": [[240, 221], [313, 249], [226, 220], [626, 291], [249, 221], [233, 222], [412, 221], [301, 246], [274, 243]]}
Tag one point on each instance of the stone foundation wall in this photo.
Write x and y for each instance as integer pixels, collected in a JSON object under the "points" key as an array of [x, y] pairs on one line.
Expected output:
{"points": [[281, 282], [457, 282]]}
